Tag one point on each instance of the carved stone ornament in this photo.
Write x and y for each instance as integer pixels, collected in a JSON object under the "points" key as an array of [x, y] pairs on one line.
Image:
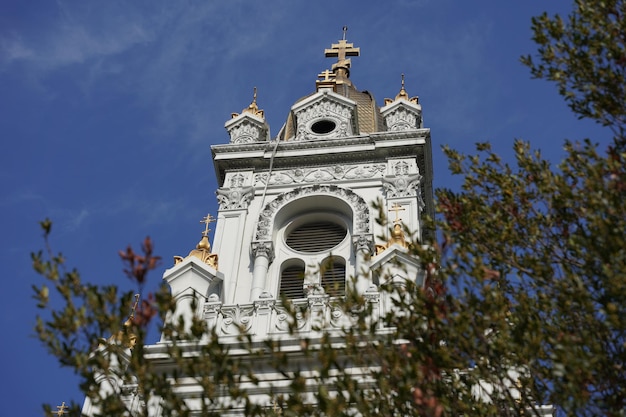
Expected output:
{"points": [[265, 303], [363, 243], [322, 174], [212, 308], [372, 295], [403, 118], [360, 210], [264, 248], [234, 198], [283, 318], [247, 132], [237, 318], [404, 186]]}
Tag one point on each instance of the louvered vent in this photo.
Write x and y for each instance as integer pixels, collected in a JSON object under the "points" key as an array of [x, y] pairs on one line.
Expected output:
{"points": [[292, 282], [316, 237], [334, 279]]}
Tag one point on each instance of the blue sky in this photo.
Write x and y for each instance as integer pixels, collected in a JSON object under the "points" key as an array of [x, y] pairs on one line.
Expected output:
{"points": [[108, 110]]}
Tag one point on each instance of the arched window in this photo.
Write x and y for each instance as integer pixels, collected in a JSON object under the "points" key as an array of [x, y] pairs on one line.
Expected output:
{"points": [[333, 272], [313, 242], [292, 281]]}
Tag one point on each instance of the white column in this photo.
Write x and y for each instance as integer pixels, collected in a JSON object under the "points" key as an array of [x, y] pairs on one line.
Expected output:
{"points": [[263, 253], [363, 252]]}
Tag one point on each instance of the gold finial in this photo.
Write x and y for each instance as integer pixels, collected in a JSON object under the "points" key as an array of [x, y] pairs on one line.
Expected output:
{"points": [[61, 409], [132, 338], [132, 311], [253, 108], [203, 248], [402, 95], [397, 234], [341, 51]]}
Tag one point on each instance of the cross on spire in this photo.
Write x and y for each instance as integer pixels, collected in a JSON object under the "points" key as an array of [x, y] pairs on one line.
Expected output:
{"points": [[327, 75], [206, 220], [341, 51], [61, 409], [397, 208], [134, 309]]}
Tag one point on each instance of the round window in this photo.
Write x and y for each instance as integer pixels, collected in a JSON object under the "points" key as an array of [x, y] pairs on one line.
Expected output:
{"points": [[321, 127], [316, 237]]}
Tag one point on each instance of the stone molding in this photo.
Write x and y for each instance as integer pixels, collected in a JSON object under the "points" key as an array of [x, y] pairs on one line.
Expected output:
{"points": [[361, 221], [321, 174]]}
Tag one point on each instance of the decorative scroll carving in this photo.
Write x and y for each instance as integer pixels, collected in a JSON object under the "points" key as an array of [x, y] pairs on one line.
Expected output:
{"points": [[237, 318], [361, 217], [321, 174], [263, 248], [404, 186], [234, 198], [323, 108], [284, 319]]}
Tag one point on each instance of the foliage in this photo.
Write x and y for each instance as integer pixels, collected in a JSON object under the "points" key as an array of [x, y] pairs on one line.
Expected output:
{"points": [[523, 302], [585, 55]]}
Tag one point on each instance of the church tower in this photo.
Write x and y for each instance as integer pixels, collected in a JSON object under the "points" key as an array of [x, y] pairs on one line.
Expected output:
{"points": [[295, 213], [296, 219]]}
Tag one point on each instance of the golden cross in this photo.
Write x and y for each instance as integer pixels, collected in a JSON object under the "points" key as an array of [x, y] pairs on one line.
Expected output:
{"points": [[342, 49], [61, 409], [206, 220], [396, 208], [326, 74]]}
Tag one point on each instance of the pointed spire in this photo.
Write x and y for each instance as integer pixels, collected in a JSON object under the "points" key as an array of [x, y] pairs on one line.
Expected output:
{"points": [[253, 108], [402, 95]]}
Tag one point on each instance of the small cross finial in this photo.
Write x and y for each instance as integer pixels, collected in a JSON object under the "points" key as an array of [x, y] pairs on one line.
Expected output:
{"points": [[345, 29], [403, 81], [206, 220], [397, 208], [326, 75], [61, 409], [254, 96], [134, 309]]}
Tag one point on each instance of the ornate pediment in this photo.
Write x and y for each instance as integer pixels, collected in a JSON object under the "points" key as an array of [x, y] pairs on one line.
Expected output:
{"points": [[323, 115], [402, 115]]}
